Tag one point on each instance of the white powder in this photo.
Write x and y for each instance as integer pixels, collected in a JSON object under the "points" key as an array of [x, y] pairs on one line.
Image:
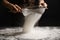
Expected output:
{"points": [[31, 17]]}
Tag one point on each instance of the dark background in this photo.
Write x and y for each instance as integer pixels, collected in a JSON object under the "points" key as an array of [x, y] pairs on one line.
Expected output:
{"points": [[51, 17]]}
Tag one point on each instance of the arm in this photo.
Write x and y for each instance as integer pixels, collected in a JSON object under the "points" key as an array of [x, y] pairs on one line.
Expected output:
{"points": [[7, 4], [14, 8]]}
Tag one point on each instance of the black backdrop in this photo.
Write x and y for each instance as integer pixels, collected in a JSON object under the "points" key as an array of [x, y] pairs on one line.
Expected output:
{"points": [[51, 17]]}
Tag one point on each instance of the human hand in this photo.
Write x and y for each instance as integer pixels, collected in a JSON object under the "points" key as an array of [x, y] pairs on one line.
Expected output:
{"points": [[15, 8], [43, 4]]}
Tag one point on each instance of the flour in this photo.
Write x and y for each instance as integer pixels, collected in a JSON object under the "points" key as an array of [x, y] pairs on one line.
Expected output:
{"points": [[31, 17]]}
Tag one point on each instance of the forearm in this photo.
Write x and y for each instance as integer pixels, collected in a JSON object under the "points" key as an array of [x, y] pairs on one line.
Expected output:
{"points": [[6, 3]]}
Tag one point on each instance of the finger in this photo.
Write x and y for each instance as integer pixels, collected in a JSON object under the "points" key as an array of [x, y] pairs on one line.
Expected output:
{"points": [[19, 8], [45, 4], [41, 6], [15, 8]]}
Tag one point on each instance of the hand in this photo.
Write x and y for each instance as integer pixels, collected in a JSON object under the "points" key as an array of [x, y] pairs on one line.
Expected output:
{"points": [[15, 8], [43, 4]]}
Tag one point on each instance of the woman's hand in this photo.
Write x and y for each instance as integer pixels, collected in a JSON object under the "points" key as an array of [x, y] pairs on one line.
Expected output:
{"points": [[14, 8], [43, 4]]}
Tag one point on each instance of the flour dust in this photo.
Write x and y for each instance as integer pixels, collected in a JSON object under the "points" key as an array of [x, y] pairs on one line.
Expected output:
{"points": [[31, 17]]}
